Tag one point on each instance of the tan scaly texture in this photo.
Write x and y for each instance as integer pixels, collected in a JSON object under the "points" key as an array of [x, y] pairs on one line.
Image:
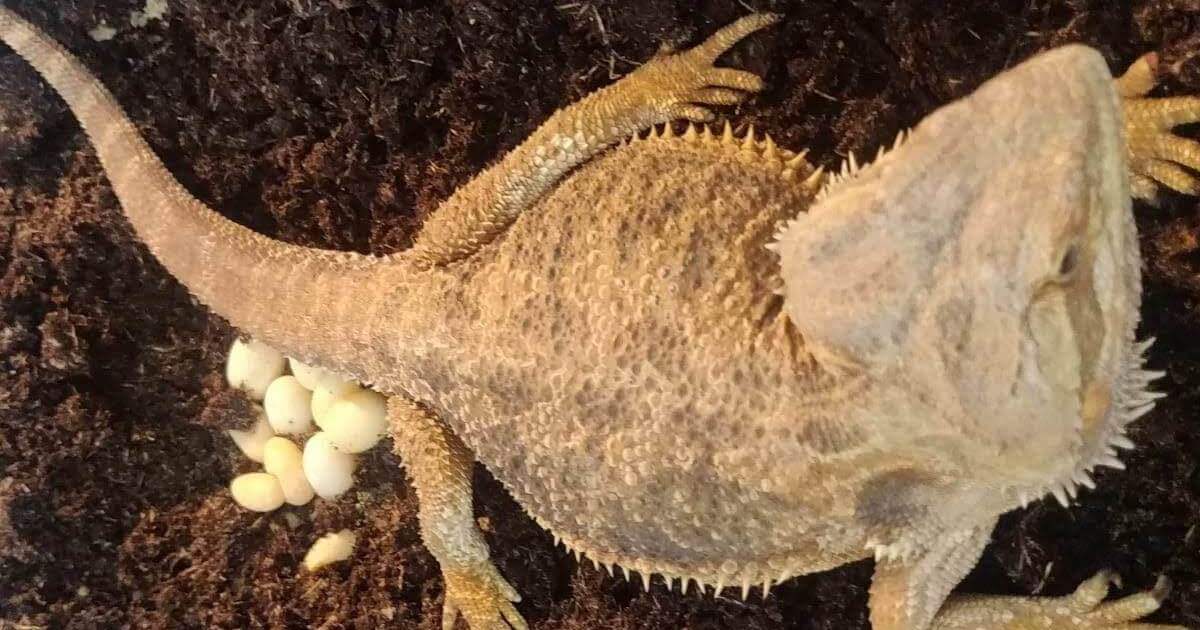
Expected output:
{"points": [[690, 356]]}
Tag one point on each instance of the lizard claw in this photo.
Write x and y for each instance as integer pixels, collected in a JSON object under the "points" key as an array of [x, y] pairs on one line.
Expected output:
{"points": [[1157, 156], [1087, 604], [684, 84], [483, 597]]}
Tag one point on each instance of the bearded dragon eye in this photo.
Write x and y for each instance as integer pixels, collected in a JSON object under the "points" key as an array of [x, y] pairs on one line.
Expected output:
{"points": [[1069, 262]]}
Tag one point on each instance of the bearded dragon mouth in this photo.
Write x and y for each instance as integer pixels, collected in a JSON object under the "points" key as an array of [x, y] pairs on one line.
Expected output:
{"points": [[1106, 415]]}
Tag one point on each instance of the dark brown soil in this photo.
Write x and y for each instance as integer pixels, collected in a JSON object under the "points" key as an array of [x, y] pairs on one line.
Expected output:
{"points": [[342, 124]]}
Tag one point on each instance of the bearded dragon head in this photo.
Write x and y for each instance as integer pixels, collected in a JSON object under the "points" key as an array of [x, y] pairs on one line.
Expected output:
{"points": [[989, 265]]}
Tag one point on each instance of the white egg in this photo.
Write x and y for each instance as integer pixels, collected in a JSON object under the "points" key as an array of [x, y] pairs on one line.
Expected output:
{"points": [[259, 492], [308, 375], [323, 396], [252, 442], [279, 454], [330, 471], [283, 459], [295, 486], [289, 406], [314, 377], [333, 380], [330, 548], [356, 421], [252, 366]]}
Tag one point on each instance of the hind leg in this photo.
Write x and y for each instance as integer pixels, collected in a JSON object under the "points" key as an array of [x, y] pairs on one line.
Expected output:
{"points": [[439, 467]]}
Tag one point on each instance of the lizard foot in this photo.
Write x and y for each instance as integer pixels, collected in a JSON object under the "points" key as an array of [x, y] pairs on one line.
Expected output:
{"points": [[483, 597], [1084, 609], [1157, 156], [683, 85]]}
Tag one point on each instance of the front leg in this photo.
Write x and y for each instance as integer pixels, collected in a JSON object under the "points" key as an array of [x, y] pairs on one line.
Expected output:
{"points": [[1085, 609], [670, 86], [439, 467], [906, 594], [911, 594]]}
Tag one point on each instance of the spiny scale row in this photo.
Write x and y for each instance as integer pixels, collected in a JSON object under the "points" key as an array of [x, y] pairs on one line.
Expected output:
{"points": [[789, 164], [685, 582], [1134, 400], [851, 167], [825, 186], [907, 549]]}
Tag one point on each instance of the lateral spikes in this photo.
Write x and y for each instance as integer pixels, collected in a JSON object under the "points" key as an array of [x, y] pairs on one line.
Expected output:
{"points": [[743, 582], [1133, 389], [899, 551], [852, 168], [611, 566], [1132, 400], [746, 146]]}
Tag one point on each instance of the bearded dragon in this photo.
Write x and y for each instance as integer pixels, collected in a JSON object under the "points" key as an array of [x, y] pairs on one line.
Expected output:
{"points": [[693, 355]]}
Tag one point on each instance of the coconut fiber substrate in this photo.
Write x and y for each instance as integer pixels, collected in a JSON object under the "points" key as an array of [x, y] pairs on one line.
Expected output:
{"points": [[342, 124]]}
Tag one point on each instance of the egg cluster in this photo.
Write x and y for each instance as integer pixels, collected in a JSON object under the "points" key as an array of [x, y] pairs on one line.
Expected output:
{"points": [[348, 420]]}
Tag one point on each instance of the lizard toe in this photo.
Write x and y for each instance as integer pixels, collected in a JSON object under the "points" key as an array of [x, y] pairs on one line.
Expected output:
{"points": [[1140, 78], [719, 96], [1164, 173], [725, 38], [1131, 608], [483, 597]]}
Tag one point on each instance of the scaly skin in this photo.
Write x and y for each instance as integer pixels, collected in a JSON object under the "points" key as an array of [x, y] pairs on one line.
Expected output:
{"points": [[670, 87], [670, 382], [1154, 154]]}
